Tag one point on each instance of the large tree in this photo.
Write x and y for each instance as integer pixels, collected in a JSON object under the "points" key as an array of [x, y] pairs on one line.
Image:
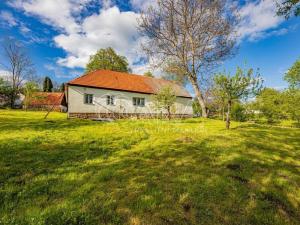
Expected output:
{"points": [[107, 59], [19, 66], [191, 35], [47, 85], [234, 88], [293, 75], [288, 7]]}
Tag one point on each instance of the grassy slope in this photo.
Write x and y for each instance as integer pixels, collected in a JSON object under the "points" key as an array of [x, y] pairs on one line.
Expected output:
{"points": [[146, 172]]}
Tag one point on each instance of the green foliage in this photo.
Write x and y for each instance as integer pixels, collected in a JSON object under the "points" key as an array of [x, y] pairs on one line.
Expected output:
{"points": [[240, 86], [6, 92], [293, 75], [238, 112], [196, 107], [60, 171], [292, 103], [107, 59], [47, 85], [288, 7], [148, 74], [234, 88], [5, 88], [62, 87], [270, 103], [165, 99], [29, 89]]}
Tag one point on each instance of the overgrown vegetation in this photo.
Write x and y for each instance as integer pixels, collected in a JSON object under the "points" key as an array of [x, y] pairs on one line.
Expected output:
{"points": [[193, 171]]}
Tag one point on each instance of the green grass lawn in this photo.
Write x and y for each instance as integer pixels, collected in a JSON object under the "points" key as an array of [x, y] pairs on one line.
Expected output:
{"points": [[60, 171]]}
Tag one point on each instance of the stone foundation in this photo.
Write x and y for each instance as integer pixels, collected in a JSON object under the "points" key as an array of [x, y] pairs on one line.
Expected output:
{"points": [[126, 115]]}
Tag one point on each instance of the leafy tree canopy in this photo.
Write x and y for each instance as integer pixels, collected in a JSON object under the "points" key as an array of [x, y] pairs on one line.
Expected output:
{"points": [[62, 87], [242, 85], [288, 7], [165, 99], [293, 75], [47, 85], [5, 88], [29, 89], [107, 59], [148, 74], [270, 103]]}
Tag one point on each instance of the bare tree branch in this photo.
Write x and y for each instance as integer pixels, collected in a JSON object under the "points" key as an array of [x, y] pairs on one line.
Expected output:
{"points": [[194, 35], [19, 66]]}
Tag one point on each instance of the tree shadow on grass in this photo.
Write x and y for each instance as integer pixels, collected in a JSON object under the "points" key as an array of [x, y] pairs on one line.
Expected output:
{"points": [[188, 180]]}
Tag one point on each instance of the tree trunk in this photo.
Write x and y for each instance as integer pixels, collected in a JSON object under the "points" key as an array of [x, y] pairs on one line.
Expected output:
{"points": [[223, 113], [199, 97], [12, 99], [228, 115], [169, 113]]}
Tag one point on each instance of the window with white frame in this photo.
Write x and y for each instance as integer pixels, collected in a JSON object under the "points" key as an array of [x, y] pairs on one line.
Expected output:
{"points": [[110, 100], [88, 99], [138, 101]]}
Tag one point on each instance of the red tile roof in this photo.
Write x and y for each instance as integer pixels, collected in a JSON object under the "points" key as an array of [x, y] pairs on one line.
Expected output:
{"points": [[47, 98], [107, 79]]}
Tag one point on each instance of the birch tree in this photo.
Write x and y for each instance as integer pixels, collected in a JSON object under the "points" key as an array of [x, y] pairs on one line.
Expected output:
{"points": [[191, 35]]}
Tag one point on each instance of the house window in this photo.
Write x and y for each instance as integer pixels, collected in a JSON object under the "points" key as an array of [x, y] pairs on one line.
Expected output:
{"points": [[88, 99], [110, 100], [138, 101]]}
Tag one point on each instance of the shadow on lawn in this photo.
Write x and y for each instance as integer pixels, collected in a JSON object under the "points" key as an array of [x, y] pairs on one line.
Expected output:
{"points": [[11, 124], [181, 181]]}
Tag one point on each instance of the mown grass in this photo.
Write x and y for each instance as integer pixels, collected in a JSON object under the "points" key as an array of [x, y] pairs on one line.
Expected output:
{"points": [[60, 171]]}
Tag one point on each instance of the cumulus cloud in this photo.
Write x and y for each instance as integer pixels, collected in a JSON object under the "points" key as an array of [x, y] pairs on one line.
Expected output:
{"points": [[109, 28], [258, 20], [57, 13], [82, 37]]}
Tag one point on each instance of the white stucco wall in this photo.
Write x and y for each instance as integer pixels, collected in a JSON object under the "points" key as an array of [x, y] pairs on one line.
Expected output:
{"points": [[123, 102]]}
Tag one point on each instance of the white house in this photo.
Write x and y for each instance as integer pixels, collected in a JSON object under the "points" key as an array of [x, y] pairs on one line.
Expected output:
{"points": [[110, 94]]}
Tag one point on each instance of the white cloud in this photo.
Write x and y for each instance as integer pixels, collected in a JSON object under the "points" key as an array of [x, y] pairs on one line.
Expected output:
{"points": [[109, 28], [257, 19], [57, 13], [82, 37], [7, 17], [5, 74]]}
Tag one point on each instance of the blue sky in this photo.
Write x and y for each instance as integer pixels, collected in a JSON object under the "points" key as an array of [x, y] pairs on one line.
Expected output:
{"points": [[61, 34]]}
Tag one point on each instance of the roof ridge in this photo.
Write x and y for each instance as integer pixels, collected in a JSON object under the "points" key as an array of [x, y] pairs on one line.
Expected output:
{"points": [[127, 82], [139, 75]]}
